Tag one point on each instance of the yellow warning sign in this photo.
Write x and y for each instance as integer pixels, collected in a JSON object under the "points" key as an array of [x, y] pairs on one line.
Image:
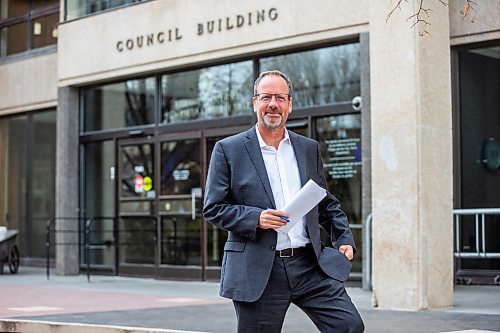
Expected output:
{"points": [[148, 184]]}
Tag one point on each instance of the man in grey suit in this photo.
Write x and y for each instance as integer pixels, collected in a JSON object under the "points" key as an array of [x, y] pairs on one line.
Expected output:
{"points": [[252, 175]]}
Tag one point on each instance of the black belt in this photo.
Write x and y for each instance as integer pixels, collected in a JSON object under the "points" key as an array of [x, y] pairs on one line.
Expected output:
{"points": [[292, 252]]}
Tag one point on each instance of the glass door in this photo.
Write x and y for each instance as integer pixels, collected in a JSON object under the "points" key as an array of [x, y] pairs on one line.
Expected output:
{"points": [[179, 206], [340, 141], [137, 222]]}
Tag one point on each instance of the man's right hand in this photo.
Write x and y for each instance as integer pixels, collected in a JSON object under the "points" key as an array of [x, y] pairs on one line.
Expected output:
{"points": [[272, 219]]}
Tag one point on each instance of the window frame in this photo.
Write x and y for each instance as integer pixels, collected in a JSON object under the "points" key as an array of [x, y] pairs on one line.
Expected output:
{"points": [[29, 18]]}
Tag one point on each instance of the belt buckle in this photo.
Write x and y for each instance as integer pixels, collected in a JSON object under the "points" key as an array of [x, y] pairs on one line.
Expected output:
{"points": [[284, 255]]}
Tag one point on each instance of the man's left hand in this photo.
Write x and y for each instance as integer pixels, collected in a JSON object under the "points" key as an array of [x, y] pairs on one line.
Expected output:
{"points": [[347, 250]]}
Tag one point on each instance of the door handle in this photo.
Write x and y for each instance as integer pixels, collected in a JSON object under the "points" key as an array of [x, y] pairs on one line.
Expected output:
{"points": [[195, 193]]}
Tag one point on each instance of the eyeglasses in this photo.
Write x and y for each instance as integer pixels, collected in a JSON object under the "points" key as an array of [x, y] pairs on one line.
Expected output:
{"points": [[266, 98]]}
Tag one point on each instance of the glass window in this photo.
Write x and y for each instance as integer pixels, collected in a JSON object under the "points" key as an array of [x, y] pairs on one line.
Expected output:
{"points": [[14, 176], [320, 77], [207, 93], [43, 4], [479, 150], [44, 30], [137, 163], [27, 25], [340, 142], [42, 184], [180, 171], [13, 8], [79, 8], [137, 241], [13, 39], [180, 239], [99, 200], [119, 105], [99, 174], [27, 195]]}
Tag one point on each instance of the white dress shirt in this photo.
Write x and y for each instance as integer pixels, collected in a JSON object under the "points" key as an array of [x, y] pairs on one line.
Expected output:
{"points": [[283, 173]]}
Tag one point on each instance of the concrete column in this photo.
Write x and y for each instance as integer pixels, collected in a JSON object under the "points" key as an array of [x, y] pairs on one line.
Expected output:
{"points": [[411, 157], [67, 261]]}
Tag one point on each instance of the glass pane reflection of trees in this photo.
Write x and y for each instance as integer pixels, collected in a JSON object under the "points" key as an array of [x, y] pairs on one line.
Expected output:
{"points": [[207, 93], [320, 77]]}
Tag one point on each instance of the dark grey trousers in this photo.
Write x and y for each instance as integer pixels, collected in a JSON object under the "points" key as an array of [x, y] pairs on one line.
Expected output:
{"points": [[299, 280]]}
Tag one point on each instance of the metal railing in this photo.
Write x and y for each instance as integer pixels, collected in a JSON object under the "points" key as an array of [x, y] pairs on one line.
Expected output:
{"points": [[480, 225], [50, 229], [367, 253], [85, 240]]}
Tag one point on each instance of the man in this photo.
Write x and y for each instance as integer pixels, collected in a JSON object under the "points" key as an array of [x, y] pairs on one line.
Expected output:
{"points": [[252, 175]]}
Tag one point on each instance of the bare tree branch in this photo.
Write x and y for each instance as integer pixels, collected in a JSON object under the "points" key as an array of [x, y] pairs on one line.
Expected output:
{"points": [[421, 16], [398, 5], [466, 11]]}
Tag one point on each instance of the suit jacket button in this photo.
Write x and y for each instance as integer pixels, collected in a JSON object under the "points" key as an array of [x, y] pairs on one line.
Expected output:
{"points": [[273, 248]]}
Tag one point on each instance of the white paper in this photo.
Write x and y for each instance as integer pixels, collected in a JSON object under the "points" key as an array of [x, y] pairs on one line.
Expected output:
{"points": [[304, 200]]}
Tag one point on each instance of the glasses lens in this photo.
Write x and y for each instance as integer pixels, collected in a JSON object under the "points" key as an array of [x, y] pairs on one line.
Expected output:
{"points": [[266, 98], [281, 98]]}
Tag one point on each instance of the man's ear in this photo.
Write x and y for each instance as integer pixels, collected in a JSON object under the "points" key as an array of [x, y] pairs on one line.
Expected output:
{"points": [[254, 103]]}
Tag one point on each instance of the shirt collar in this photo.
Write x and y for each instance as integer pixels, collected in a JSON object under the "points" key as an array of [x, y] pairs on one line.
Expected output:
{"points": [[263, 144]]}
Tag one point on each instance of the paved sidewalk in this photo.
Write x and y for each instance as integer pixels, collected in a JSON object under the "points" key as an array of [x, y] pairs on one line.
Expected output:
{"points": [[196, 306]]}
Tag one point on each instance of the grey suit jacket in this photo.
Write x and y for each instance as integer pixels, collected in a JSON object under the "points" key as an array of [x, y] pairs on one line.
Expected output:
{"points": [[238, 190]]}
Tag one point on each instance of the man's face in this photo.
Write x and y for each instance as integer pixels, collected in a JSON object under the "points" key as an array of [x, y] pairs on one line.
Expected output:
{"points": [[272, 105]]}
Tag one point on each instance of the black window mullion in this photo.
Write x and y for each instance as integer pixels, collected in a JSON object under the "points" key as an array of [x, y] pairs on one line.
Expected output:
{"points": [[30, 27]]}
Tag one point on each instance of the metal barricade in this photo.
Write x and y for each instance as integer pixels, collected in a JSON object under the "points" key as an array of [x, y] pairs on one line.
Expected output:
{"points": [[481, 250]]}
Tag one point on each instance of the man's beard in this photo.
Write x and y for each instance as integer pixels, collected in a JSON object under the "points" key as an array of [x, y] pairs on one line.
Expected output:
{"points": [[272, 123]]}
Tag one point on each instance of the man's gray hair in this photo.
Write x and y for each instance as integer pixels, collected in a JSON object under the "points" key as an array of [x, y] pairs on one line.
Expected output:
{"points": [[273, 72]]}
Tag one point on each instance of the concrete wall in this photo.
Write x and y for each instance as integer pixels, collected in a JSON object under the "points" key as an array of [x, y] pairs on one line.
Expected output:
{"points": [[411, 159], [28, 84], [483, 22], [107, 46]]}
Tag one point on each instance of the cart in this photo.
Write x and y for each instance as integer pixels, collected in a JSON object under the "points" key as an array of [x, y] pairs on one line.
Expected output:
{"points": [[9, 252]]}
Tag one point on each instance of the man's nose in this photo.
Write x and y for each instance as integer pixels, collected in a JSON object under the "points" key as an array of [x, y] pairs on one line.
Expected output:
{"points": [[273, 101]]}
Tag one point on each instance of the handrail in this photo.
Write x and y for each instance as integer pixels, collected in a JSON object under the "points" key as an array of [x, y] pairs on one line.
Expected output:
{"points": [[473, 211], [367, 253], [480, 232], [89, 245], [48, 232]]}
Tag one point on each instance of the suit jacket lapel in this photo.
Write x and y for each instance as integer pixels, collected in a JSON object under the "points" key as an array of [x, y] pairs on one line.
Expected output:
{"points": [[300, 156], [253, 148]]}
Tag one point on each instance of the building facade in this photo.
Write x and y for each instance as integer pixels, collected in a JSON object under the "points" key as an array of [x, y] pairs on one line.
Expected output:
{"points": [[108, 119]]}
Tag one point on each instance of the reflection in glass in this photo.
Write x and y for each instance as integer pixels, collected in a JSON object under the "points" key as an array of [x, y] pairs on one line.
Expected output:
{"points": [[479, 115], [45, 30], [180, 241], [119, 105], [137, 177], [13, 179], [13, 8], [27, 180], [79, 8], [340, 143], [180, 166], [216, 238], [42, 184], [99, 201], [320, 77], [42, 4], [137, 240], [13, 39], [207, 93], [98, 174]]}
